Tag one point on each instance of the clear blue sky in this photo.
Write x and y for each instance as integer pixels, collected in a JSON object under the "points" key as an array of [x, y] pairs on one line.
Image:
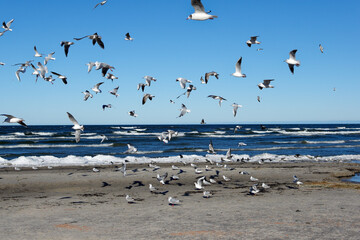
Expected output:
{"points": [[167, 46]]}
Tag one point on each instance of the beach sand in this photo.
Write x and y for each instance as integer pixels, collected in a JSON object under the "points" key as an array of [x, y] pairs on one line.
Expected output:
{"points": [[71, 203]]}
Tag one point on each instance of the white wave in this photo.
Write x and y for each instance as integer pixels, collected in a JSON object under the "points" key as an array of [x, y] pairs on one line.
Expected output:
{"points": [[302, 147], [134, 133], [72, 160], [115, 127], [310, 142], [314, 133], [127, 127], [233, 136], [141, 129], [220, 132], [54, 145], [34, 133], [88, 134], [262, 132], [193, 132]]}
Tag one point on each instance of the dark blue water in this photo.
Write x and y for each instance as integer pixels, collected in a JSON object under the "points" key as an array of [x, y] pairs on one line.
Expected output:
{"points": [[280, 141]]}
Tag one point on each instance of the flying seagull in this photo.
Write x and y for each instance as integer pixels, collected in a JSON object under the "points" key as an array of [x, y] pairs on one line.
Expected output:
{"points": [[265, 84], [104, 67], [183, 110], [252, 41], [132, 113], [49, 57], [114, 91], [96, 88], [258, 98], [95, 39], [36, 72], [127, 37], [147, 96], [12, 119], [217, 98], [142, 86], [62, 77], [87, 95], [211, 148], [207, 76], [37, 54], [20, 70], [292, 61], [183, 82], [110, 76], [202, 121], [321, 48], [237, 72], [106, 106], [100, 3], [200, 13], [77, 127], [7, 25], [131, 149], [148, 80], [90, 66], [103, 138], [42, 69], [66, 46], [235, 108]]}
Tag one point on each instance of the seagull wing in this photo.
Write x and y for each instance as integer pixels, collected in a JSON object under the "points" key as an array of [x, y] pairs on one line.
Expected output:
{"points": [[56, 74], [77, 136], [72, 119], [197, 5], [66, 49], [235, 108], [146, 96], [292, 54], [101, 44], [291, 67], [77, 39], [238, 65]]}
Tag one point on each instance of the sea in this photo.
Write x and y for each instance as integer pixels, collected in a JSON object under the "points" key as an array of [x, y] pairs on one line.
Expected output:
{"points": [[39, 146]]}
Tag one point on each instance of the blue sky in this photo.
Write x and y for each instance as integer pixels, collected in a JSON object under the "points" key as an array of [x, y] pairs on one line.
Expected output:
{"points": [[167, 46]]}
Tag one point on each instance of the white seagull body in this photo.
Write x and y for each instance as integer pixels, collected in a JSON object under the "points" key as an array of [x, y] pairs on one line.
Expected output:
{"points": [[96, 88], [7, 25], [183, 110], [114, 91], [77, 127], [266, 84], [235, 108], [127, 37], [292, 61], [87, 95], [183, 82], [252, 41], [146, 97], [49, 57], [200, 14], [12, 119], [237, 72]]}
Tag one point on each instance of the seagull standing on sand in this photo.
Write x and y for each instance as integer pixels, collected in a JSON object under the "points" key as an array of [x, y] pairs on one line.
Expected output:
{"points": [[183, 82], [12, 119], [96, 88], [77, 127], [253, 179], [235, 108], [127, 37], [218, 98], [207, 194], [62, 77], [173, 201], [200, 14], [237, 72], [296, 180], [114, 91], [66, 46], [252, 41], [152, 188], [183, 110], [292, 61], [265, 84], [95, 39], [129, 199]]}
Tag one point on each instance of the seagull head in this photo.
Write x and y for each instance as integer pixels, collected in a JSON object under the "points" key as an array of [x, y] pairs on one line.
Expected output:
{"points": [[189, 17]]}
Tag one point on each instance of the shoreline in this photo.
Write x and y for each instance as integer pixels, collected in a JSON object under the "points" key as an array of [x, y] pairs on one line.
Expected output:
{"points": [[74, 203]]}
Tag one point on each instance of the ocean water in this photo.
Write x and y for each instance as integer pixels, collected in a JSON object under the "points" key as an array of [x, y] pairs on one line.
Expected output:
{"points": [[55, 145]]}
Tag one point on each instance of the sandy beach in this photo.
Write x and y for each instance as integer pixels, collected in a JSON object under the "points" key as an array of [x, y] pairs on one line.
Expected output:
{"points": [[77, 203]]}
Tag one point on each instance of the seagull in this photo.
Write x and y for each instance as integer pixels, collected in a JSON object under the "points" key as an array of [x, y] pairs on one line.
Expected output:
{"points": [[161, 178], [95, 170], [171, 101], [77, 127], [49, 79], [163, 138], [258, 98], [171, 133], [25, 64], [100, 3], [87, 95], [12, 119], [131, 149], [296, 180], [90, 66], [147, 96], [321, 48], [226, 178], [95, 39], [37, 54], [218, 98], [66, 45], [206, 194], [49, 57], [292, 61], [104, 67], [42, 69], [265, 186], [200, 13], [254, 190], [202, 121], [244, 173], [114, 91], [228, 154], [235, 108], [173, 201], [183, 82], [20, 70], [129, 199], [103, 138], [7, 25], [253, 179], [62, 77], [183, 110], [106, 106], [211, 148], [237, 72], [112, 77], [252, 41], [2, 64], [96, 88], [132, 113], [259, 49], [198, 185], [152, 188], [148, 80], [173, 167], [36, 72], [189, 89], [198, 171], [241, 144], [127, 37], [142, 86], [237, 128], [265, 84], [207, 76]]}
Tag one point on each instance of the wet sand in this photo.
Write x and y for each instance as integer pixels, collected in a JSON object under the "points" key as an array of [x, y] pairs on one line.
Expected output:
{"points": [[73, 203]]}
